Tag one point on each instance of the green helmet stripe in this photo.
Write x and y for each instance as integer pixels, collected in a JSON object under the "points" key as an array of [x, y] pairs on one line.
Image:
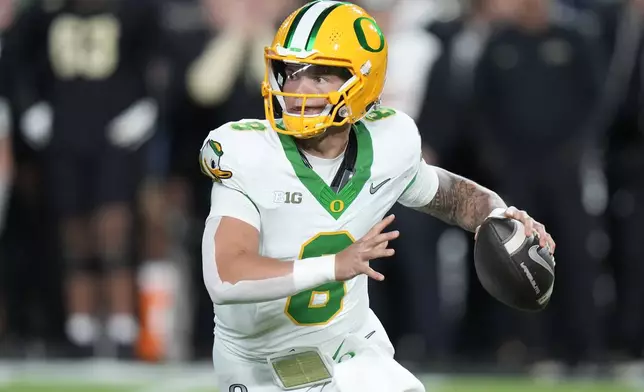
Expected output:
{"points": [[316, 27], [296, 21], [311, 17]]}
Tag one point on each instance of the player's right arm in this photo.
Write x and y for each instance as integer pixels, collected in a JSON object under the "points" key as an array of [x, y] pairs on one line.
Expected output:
{"points": [[235, 272]]}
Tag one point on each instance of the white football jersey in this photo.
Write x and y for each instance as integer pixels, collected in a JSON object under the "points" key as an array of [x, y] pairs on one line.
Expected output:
{"points": [[300, 216]]}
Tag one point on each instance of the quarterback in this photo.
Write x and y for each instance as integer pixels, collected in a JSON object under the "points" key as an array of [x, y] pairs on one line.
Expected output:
{"points": [[298, 209]]}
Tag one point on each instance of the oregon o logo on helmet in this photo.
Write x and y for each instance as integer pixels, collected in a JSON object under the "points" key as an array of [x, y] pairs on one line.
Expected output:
{"points": [[362, 38], [336, 205]]}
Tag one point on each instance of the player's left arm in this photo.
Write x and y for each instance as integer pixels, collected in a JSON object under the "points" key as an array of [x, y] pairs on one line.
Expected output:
{"points": [[454, 199], [462, 202]]}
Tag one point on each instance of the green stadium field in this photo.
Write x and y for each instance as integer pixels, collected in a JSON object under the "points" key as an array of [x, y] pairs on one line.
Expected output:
{"points": [[118, 377], [451, 385]]}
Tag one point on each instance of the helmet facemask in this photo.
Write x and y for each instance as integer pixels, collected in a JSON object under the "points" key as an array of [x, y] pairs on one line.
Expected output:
{"points": [[303, 122]]}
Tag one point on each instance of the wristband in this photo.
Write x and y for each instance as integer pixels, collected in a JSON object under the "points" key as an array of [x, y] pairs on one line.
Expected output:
{"points": [[314, 271]]}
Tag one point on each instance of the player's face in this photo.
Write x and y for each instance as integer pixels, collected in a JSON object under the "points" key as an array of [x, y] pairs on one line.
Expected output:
{"points": [[311, 79]]}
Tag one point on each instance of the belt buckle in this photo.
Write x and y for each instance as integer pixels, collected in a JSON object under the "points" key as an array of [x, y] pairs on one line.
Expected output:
{"points": [[300, 368]]}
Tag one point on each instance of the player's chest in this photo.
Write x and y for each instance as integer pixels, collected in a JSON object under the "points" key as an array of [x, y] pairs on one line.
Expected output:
{"points": [[300, 209]]}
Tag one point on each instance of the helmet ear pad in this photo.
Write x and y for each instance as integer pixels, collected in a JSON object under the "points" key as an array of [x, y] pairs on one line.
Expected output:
{"points": [[373, 84]]}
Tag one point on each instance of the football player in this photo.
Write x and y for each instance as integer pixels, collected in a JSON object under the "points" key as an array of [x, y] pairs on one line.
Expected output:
{"points": [[83, 67], [297, 209]]}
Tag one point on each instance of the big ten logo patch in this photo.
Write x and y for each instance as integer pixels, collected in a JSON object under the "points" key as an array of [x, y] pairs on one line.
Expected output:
{"points": [[280, 197]]}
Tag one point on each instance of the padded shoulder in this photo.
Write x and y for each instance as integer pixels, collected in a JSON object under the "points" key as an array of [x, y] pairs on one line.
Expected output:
{"points": [[230, 154]]}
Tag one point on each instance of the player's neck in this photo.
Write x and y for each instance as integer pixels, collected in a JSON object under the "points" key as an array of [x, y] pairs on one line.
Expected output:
{"points": [[329, 145]]}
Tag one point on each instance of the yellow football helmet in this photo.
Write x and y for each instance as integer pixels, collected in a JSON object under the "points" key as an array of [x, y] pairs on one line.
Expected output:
{"points": [[330, 34]]}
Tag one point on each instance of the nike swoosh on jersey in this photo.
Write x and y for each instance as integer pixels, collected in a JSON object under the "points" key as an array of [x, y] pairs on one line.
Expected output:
{"points": [[374, 189], [536, 257]]}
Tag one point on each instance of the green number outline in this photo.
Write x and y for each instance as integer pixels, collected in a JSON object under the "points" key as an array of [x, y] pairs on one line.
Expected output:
{"points": [[312, 315]]}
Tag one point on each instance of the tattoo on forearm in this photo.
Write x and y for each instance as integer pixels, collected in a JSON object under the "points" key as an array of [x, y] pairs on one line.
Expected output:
{"points": [[461, 202]]}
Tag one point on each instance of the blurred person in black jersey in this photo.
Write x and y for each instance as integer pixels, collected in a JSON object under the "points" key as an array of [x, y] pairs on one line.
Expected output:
{"points": [[536, 86], [216, 52], [30, 308], [621, 119], [449, 126], [89, 111]]}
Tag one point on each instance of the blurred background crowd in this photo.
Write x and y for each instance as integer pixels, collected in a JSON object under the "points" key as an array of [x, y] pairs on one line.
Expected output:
{"points": [[104, 105]]}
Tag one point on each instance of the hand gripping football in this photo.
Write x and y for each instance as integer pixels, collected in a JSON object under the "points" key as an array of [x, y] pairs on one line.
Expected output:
{"points": [[513, 268]]}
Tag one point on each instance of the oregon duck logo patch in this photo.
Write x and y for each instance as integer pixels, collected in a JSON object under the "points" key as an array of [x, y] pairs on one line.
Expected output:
{"points": [[210, 161]]}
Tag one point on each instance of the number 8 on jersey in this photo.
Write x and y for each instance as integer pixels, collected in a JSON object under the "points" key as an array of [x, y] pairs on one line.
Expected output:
{"points": [[321, 304]]}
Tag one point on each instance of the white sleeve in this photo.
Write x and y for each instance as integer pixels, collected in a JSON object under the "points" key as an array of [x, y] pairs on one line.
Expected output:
{"points": [[225, 201], [422, 188], [307, 274]]}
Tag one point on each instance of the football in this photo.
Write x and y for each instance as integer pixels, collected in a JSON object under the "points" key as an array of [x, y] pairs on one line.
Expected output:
{"points": [[513, 268]]}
